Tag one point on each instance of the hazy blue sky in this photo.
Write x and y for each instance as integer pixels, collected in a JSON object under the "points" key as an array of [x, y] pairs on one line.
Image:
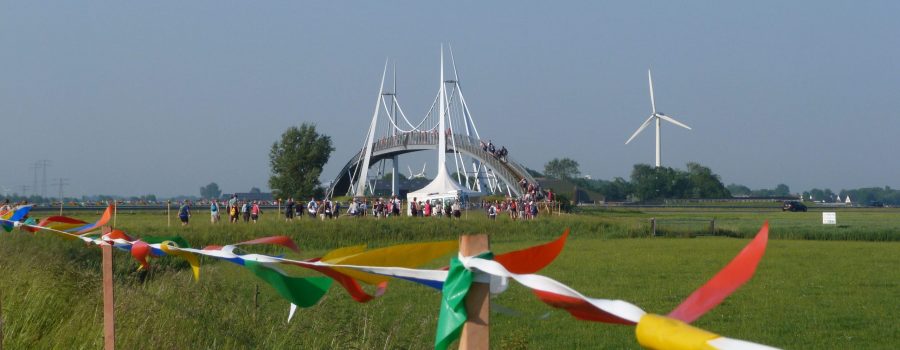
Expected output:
{"points": [[165, 96]]}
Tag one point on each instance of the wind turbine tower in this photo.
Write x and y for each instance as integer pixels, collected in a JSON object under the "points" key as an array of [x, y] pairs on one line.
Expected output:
{"points": [[657, 117]]}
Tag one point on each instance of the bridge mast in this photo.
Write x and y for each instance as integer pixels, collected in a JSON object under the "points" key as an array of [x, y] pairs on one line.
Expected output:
{"points": [[395, 168], [442, 138], [470, 125], [370, 139]]}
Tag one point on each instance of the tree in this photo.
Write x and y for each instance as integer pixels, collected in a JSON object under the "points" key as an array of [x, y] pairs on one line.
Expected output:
{"points": [[649, 183], [296, 161], [739, 190], [255, 190], [646, 182], [562, 168], [533, 173], [782, 190], [704, 183], [210, 191], [616, 190], [390, 176]]}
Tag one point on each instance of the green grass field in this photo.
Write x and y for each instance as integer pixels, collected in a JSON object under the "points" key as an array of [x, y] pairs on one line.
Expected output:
{"points": [[816, 288]]}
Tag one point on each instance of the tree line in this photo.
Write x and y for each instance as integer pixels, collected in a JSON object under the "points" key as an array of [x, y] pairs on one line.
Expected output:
{"points": [[647, 183]]}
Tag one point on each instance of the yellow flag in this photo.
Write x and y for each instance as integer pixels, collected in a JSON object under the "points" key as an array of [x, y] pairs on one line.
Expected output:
{"points": [[190, 257], [404, 255]]}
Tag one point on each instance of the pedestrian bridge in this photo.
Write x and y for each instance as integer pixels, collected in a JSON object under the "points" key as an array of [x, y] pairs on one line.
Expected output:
{"points": [[506, 170]]}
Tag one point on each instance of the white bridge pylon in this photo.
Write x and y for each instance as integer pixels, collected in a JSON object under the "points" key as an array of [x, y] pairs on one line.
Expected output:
{"points": [[391, 127]]}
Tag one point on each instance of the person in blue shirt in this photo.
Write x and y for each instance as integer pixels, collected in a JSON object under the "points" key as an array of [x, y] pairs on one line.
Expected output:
{"points": [[184, 213], [214, 211]]}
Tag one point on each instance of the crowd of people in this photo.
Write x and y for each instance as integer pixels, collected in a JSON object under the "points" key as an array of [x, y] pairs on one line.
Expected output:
{"points": [[435, 208], [235, 209], [499, 153], [516, 208], [325, 209], [522, 208]]}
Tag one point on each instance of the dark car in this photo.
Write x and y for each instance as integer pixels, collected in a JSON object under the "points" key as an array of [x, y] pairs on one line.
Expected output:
{"points": [[793, 206]]}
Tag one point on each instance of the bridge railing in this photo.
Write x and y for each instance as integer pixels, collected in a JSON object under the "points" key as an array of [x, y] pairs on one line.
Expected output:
{"points": [[509, 162], [500, 168]]}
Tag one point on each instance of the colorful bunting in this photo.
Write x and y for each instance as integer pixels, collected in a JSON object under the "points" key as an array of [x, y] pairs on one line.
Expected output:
{"points": [[351, 265], [735, 274], [300, 291], [15, 217]]}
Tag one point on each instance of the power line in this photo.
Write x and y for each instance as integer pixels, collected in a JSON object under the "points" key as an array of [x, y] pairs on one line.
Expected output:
{"points": [[43, 164], [35, 168], [61, 182]]}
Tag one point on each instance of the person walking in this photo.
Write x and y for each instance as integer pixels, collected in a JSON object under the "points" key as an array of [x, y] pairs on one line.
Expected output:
{"points": [[184, 213], [289, 210], [326, 204], [412, 208], [312, 207], [245, 211], [354, 208], [233, 213], [232, 204], [255, 211], [214, 212], [492, 211]]}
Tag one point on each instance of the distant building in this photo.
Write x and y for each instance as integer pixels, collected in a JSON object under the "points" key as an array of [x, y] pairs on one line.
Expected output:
{"points": [[254, 196]]}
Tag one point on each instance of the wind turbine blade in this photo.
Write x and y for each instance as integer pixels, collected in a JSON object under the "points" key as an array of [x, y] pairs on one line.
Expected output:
{"points": [[673, 121], [643, 126], [652, 100]]}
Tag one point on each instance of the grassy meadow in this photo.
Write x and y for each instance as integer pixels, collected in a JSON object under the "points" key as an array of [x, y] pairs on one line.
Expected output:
{"points": [[818, 287]]}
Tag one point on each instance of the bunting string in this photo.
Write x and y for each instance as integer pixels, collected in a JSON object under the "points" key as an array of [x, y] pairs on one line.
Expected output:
{"points": [[353, 266]]}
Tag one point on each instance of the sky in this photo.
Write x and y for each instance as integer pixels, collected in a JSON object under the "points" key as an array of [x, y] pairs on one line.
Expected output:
{"points": [[163, 97]]}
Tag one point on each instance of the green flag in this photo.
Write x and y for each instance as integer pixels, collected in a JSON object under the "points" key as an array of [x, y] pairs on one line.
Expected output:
{"points": [[453, 308], [300, 291]]}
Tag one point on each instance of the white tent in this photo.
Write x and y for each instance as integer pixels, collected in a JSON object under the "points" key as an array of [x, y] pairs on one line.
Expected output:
{"points": [[848, 200], [442, 189]]}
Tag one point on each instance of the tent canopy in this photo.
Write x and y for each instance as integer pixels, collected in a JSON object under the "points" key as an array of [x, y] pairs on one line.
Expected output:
{"points": [[442, 187]]}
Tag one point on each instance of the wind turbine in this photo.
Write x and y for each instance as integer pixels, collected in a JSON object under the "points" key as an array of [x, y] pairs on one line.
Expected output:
{"points": [[657, 117], [419, 175]]}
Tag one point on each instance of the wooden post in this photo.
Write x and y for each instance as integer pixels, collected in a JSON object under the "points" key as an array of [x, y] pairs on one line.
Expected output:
{"points": [[1, 322], [109, 314], [476, 331], [169, 213], [712, 226], [652, 227]]}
